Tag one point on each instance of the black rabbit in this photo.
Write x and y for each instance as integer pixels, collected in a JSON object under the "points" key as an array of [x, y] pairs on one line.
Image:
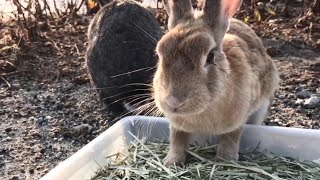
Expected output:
{"points": [[121, 55]]}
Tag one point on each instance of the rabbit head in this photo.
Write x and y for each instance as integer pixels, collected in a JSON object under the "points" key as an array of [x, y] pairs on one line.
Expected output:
{"points": [[192, 67]]}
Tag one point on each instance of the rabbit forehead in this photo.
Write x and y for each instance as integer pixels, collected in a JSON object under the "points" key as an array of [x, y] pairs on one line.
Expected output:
{"points": [[193, 42]]}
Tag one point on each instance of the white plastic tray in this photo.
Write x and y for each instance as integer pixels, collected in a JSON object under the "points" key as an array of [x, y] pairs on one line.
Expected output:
{"points": [[291, 142]]}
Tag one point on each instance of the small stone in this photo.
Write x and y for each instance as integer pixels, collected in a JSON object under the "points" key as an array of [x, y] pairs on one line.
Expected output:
{"points": [[14, 178], [59, 154], [102, 122], [312, 102], [95, 132], [2, 112], [31, 118], [292, 96], [51, 134], [16, 115], [299, 102], [83, 128], [281, 96], [39, 120], [11, 133], [303, 94], [76, 115], [31, 171], [48, 118], [7, 139], [8, 129]]}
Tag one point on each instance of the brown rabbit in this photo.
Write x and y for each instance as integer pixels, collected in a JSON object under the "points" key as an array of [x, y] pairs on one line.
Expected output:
{"points": [[209, 81]]}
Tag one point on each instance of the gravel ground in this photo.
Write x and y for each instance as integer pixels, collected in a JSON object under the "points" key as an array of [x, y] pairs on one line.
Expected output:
{"points": [[47, 115], [43, 124]]}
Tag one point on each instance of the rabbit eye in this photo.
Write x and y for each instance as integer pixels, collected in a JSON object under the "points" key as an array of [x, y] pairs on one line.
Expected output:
{"points": [[210, 58]]}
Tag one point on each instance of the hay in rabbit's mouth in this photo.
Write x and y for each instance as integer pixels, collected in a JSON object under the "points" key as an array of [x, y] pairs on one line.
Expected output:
{"points": [[143, 160]]}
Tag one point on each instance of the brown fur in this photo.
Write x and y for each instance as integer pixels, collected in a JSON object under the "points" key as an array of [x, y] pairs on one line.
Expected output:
{"points": [[220, 97]]}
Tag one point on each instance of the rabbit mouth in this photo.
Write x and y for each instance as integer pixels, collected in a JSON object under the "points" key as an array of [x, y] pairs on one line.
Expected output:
{"points": [[183, 110]]}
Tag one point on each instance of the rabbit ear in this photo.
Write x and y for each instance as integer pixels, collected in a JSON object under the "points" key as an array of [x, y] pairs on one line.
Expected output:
{"points": [[178, 11], [165, 4], [217, 14], [229, 7]]}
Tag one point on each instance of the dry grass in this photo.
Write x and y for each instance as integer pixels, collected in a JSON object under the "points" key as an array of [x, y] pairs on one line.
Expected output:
{"points": [[143, 160]]}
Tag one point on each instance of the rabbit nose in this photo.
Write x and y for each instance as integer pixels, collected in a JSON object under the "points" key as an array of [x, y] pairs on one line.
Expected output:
{"points": [[174, 102]]}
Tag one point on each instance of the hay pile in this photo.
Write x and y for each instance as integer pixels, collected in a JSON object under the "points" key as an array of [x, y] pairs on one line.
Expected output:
{"points": [[143, 160]]}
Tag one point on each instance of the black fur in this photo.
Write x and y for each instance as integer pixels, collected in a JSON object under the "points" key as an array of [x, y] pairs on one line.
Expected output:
{"points": [[122, 38]]}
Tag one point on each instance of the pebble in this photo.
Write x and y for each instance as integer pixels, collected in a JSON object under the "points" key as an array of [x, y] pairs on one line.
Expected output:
{"points": [[7, 139], [303, 94], [2, 111], [8, 129], [83, 127], [292, 96], [42, 150], [102, 122], [14, 178], [48, 118], [299, 102], [59, 154], [312, 102], [281, 96], [39, 120]]}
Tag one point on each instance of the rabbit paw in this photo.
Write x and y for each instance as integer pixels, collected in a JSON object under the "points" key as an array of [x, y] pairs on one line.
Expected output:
{"points": [[174, 158], [227, 153]]}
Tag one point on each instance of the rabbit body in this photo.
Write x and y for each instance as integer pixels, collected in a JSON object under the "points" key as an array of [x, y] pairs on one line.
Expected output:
{"points": [[120, 55], [209, 81]]}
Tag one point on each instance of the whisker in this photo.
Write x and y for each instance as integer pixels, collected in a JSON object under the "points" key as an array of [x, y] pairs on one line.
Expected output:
{"points": [[150, 123], [143, 108], [124, 93], [151, 111], [138, 48], [137, 70], [133, 111], [137, 103], [119, 87], [148, 113], [128, 103], [133, 96], [158, 113], [136, 84], [152, 38]]}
